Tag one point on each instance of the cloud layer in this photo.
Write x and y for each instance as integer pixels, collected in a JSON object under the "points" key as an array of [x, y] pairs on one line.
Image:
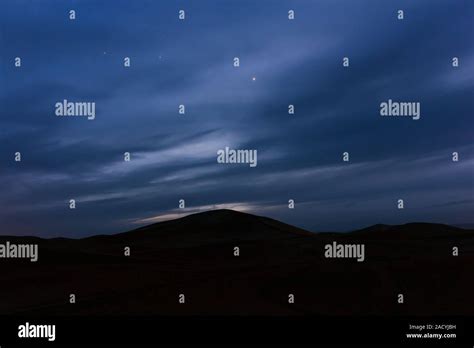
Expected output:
{"points": [[190, 62]]}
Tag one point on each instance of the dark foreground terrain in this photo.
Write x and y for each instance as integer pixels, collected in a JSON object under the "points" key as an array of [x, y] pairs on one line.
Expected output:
{"points": [[194, 256]]}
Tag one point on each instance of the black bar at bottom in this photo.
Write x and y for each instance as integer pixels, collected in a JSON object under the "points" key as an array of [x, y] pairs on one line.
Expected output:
{"points": [[192, 330]]}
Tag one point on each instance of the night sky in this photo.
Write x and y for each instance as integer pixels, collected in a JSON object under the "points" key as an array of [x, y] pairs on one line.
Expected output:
{"points": [[190, 62]]}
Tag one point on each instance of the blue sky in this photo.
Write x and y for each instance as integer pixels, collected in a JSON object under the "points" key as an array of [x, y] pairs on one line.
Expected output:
{"points": [[191, 62]]}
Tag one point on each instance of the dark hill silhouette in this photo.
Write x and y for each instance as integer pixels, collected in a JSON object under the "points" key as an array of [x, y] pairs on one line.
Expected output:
{"points": [[215, 226], [416, 230], [195, 255], [225, 225]]}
